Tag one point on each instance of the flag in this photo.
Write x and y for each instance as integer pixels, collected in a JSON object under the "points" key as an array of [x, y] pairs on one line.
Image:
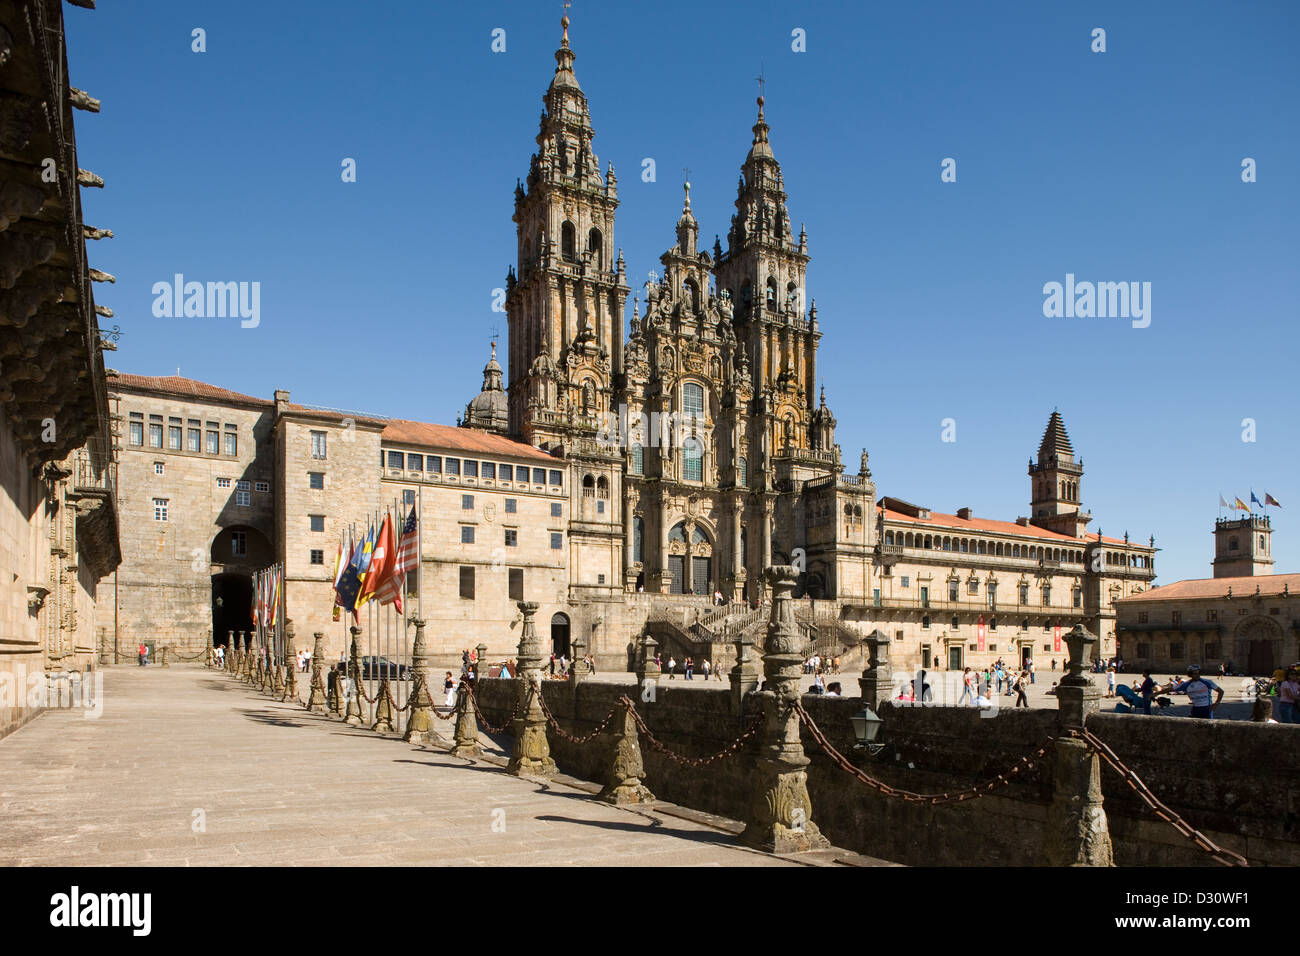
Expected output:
{"points": [[276, 575], [1254, 500], [1270, 500], [1242, 506], [1222, 503], [381, 562], [406, 559], [338, 566]]}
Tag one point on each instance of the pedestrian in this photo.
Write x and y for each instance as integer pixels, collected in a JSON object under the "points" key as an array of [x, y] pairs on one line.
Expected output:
{"points": [[1031, 671], [819, 685], [1053, 663], [968, 684], [1110, 682], [1261, 712], [1197, 689], [1021, 681], [690, 667], [997, 674], [1148, 690], [1288, 693], [141, 653], [705, 669], [449, 688], [591, 664], [672, 667], [552, 663]]}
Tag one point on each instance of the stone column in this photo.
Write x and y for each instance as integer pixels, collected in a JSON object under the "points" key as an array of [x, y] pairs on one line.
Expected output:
{"points": [[230, 651], [419, 723], [290, 663], [532, 754], [780, 812], [876, 682], [316, 702], [645, 661], [578, 648], [744, 673], [466, 725], [356, 711], [1077, 833], [212, 647], [383, 707], [629, 513], [481, 650], [627, 769], [765, 558]]}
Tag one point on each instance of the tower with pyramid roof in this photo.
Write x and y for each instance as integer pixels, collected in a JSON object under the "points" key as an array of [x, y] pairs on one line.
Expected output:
{"points": [[1055, 481]]}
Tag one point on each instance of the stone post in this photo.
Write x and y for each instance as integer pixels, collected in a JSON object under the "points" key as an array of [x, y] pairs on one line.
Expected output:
{"points": [[876, 682], [212, 647], [579, 649], [316, 700], [466, 725], [356, 711], [290, 663], [383, 707], [627, 769], [780, 811], [419, 722], [1077, 833], [162, 657], [744, 673], [646, 668], [334, 696], [480, 667], [532, 754], [230, 651]]}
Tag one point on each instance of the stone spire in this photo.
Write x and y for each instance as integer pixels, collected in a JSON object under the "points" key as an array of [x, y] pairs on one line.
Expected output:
{"points": [[1055, 443], [688, 230]]}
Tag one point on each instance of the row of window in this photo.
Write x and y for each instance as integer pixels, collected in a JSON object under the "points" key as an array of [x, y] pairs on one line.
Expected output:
{"points": [[515, 583], [184, 435], [991, 590], [467, 536], [999, 549], [1211, 615], [992, 625], [469, 468]]}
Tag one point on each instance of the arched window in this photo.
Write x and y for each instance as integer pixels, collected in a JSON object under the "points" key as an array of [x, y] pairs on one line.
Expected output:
{"points": [[742, 473], [678, 532], [588, 486], [889, 537], [602, 487], [693, 401], [771, 293], [692, 460], [595, 245], [698, 536], [638, 539], [568, 242]]}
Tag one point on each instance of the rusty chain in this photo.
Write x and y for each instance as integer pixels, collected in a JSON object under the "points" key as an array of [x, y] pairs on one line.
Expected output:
{"points": [[755, 723], [933, 799], [1217, 853], [600, 728], [509, 720]]}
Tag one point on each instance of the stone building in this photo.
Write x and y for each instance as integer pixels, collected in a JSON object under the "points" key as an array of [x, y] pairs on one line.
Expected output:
{"points": [[626, 481], [58, 517], [1243, 617]]}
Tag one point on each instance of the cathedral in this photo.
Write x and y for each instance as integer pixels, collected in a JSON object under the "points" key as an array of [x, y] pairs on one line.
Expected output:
{"points": [[726, 351]]}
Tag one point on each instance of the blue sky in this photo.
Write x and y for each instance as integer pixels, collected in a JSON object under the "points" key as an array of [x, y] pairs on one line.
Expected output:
{"points": [[1115, 166]]}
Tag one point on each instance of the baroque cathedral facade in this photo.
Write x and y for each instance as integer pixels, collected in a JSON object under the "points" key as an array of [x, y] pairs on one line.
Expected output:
{"points": [[721, 456]]}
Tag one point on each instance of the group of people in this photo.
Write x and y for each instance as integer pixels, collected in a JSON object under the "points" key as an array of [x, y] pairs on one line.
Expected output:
{"points": [[821, 665], [999, 678], [689, 667]]}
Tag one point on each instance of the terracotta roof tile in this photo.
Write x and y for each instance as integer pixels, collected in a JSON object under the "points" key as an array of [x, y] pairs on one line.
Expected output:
{"points": [[184, 388], [460, 439], [1270, 585], [953, 522]]}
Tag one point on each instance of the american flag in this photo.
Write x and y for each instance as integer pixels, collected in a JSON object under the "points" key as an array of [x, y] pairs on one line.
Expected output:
{"points": [[408, 558]]}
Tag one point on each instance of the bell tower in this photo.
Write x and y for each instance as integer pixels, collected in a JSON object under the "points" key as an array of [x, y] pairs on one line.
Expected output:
{"points": [[1243, 547], [1055, 481], [564, 298]]}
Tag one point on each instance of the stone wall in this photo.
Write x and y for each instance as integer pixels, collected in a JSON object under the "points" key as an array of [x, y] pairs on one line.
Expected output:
{"points": [[1234, 781]]}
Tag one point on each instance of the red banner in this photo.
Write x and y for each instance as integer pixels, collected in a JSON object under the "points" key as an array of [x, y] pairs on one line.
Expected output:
{"points": [[1056, 638], [981, 631]]}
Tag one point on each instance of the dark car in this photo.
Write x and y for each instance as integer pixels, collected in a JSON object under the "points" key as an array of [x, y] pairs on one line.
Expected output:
{"points": [[377, 668]]}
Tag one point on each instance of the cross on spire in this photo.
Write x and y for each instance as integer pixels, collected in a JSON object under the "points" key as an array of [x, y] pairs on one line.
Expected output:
{"points": [[761, 80]]}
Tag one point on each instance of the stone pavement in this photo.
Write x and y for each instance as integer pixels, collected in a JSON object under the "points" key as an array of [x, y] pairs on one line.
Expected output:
{"points": [[273, 785]]}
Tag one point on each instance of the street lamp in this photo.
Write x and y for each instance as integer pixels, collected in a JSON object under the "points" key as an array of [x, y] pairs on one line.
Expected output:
{"points": [[866, 728]]}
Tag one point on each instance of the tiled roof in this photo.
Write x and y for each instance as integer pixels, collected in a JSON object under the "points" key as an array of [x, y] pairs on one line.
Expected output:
{"points": [[459, 439], [1270, 585], [183, 387], [952, 522]]}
